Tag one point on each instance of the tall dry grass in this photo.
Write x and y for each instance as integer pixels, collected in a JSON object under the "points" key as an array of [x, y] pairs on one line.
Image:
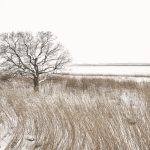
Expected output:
{"points": [[70, 113]]}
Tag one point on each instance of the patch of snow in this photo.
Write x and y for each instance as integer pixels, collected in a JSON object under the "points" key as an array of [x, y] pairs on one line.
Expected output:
{"points": [[133, 99]]}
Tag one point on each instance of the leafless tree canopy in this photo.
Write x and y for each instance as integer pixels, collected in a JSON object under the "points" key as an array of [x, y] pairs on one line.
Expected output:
{"points": [[31, 55]]}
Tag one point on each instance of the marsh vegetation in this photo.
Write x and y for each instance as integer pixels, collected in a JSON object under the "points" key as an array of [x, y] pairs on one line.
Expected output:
{"points": [[74, 113]]}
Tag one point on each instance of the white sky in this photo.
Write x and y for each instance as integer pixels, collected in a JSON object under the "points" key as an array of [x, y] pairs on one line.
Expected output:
{"points": [[94, 31]]}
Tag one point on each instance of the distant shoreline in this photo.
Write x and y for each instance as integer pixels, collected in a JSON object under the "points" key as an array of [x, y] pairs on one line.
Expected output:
{"points": [[102, 75], [111, 64]]}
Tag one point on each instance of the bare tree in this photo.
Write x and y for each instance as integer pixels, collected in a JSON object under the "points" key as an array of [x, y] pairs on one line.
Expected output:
{"points": [[32, 55]]}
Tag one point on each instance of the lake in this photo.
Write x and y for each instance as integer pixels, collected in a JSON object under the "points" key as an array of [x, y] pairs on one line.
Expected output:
{"points": [[109, 70]]}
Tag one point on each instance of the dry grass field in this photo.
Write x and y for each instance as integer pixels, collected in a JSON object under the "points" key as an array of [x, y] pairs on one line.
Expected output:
{"points": [[75, 114]]}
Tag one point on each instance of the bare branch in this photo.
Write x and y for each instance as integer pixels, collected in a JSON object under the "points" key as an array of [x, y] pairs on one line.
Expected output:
{"points": [[32, 55]]}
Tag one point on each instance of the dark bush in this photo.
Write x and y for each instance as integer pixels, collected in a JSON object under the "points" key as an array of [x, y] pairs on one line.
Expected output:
{"points": [[5, 77]]}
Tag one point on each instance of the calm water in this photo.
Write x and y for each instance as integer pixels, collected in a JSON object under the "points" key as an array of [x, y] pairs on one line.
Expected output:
{"points": [[112, 70]]}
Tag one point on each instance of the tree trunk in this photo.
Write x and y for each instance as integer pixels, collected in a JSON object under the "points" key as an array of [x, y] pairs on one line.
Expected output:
{"points": [[36, 83]]}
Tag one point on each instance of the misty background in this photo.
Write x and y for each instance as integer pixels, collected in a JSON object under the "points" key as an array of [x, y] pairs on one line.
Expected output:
{"points": [[94, 31]]}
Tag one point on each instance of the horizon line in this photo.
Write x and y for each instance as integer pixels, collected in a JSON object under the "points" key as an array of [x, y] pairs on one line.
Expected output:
{"points": [[112, 64]]}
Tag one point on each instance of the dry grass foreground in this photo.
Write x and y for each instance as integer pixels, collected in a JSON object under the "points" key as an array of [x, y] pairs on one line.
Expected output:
{"points": [[75, 114]]}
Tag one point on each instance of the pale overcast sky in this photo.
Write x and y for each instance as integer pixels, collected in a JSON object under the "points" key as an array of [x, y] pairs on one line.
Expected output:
{"points": [[94, 31]]}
